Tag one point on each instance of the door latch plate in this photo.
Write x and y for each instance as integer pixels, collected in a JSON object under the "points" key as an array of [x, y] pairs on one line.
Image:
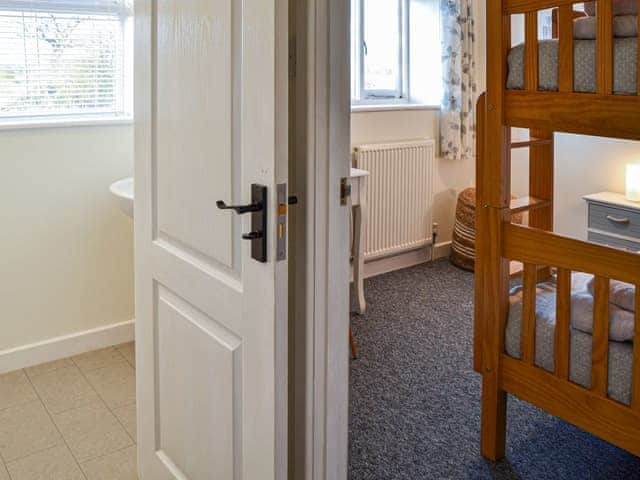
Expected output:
{"points": [[345, 191], [281, 234]]}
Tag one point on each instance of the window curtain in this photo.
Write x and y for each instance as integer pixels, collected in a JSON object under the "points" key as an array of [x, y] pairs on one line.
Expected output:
{"points": [[457, 117]]}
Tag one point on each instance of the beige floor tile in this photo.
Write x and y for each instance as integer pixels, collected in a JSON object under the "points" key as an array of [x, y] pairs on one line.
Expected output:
{"points": [[4, 475], [64, 389], [127, 417], [48, 367], [116, 384], [25, 430], [120, 465], [98, 359], [128, 351], [15, 389], [54, 464], [92, 431]]}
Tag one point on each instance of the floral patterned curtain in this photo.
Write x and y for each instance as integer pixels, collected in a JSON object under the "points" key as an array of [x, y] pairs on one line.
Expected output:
{"points": [[457, 118]]}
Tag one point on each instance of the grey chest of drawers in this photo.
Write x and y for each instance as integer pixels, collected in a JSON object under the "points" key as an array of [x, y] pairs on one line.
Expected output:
{"points": [[613, 220]]}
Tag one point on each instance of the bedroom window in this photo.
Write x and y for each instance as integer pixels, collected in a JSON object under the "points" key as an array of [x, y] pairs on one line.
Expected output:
{"points": [[395, 52], [64, 61], [545, 24]]}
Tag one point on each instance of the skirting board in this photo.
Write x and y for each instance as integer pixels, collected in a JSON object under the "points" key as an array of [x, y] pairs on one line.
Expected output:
{"points": [[405, 260], [66, 346]]}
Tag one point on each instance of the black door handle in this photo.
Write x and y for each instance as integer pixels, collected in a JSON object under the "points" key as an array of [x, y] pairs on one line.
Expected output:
{"points": [[240, 209], [252, 236], [258, 210]]}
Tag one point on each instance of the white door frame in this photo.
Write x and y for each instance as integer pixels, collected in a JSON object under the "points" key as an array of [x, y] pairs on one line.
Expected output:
{"points": [[321, 149]]}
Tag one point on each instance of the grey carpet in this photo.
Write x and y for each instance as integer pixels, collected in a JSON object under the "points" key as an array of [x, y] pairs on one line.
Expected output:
{"points": [[415, 411]]}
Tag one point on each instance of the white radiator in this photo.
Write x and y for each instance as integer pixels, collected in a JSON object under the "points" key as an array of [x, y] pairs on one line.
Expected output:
{"points": [[399, 195]]}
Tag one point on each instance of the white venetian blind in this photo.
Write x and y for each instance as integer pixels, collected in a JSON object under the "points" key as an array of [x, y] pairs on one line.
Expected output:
{"points": [[62, 58]]}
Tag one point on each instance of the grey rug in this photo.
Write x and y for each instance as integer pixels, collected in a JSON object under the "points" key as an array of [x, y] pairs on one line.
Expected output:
{"points": [[415, 400]]}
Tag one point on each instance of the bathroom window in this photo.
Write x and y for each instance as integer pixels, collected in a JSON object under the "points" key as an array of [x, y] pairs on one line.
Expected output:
{"points": [[395, 52], [65, 61]]}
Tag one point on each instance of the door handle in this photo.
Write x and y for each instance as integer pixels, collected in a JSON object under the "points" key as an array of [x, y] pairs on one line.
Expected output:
{"points": [[252, 235], [240, 209], [258, 209]]}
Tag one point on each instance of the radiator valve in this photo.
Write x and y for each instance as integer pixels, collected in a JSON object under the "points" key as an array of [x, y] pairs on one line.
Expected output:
{"points": [[434, 236]]}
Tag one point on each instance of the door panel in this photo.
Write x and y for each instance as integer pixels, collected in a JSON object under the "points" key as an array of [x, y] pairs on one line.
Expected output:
{"points": [[194, 123], [211, 322], [199, 367]]}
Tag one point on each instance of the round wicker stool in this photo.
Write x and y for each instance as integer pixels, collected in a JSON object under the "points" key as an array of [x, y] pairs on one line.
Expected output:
{"points": [[463, 244]]}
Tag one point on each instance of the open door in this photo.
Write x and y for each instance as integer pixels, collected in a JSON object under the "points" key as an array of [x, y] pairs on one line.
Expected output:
{"points": [[211, 326]]}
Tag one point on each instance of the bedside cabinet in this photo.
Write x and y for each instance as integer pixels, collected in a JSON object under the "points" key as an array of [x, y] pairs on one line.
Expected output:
{"points": [[613, 221]]}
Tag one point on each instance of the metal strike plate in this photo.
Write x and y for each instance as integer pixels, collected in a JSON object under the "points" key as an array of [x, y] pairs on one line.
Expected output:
{"points": [[345, 191]]}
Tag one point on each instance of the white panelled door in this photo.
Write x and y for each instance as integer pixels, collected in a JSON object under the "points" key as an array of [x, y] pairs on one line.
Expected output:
{"points": [[211, 90]]}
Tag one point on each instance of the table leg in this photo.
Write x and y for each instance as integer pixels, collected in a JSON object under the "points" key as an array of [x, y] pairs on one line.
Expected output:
{"points": [[359, 217], [352, 343]]}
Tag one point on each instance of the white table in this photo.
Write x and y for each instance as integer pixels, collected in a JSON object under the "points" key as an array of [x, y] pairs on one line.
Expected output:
{"points": [[358, 179]]}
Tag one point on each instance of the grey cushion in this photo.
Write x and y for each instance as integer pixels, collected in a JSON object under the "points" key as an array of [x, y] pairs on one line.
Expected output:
{"points": [[620, 353], [584, 28], [624, 74], [620, 7]]}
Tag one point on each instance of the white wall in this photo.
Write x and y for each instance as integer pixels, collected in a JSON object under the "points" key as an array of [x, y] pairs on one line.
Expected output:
{"points": [[66, 252], [583, 165], [587, 165]]}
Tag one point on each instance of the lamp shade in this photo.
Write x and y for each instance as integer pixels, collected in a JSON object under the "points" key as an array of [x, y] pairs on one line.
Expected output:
{"points": [[633, 182]]}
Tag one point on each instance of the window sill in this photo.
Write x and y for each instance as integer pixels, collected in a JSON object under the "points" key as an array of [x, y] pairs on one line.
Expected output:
{"points": [[64, 122], [392, 107]]}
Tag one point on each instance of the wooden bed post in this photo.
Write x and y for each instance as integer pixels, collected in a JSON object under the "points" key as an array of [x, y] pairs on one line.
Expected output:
{"points": [[540, 154], [541, 180], [478, 318], [493, 201], [541, 173]]}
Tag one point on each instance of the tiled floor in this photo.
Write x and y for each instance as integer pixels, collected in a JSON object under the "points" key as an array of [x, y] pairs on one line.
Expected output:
{"points": [[70, 419]]}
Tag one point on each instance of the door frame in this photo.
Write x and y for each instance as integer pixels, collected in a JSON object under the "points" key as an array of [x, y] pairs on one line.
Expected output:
{"points": [[319, 279]]}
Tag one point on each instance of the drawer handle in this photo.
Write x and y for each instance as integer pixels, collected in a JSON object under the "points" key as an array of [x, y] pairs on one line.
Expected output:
{"points": [[618, 219]]}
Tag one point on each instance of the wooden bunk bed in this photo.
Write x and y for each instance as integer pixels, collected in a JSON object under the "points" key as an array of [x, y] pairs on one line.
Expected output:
{"points": [[499, 242]]}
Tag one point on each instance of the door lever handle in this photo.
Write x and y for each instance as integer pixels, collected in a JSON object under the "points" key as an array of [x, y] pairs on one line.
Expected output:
{"points": [[240, 209], [252, 236], [258, 209]]}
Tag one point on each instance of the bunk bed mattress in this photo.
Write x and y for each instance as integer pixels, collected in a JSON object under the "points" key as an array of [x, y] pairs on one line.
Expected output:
{"points": [[625, 63], [620, 353]]}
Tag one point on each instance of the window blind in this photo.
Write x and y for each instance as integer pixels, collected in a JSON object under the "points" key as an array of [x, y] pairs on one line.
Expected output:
{"points": [[62, 58]]}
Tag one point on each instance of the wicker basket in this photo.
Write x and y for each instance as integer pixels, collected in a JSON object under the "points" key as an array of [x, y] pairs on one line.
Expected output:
{"points": [[463, 245]]}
